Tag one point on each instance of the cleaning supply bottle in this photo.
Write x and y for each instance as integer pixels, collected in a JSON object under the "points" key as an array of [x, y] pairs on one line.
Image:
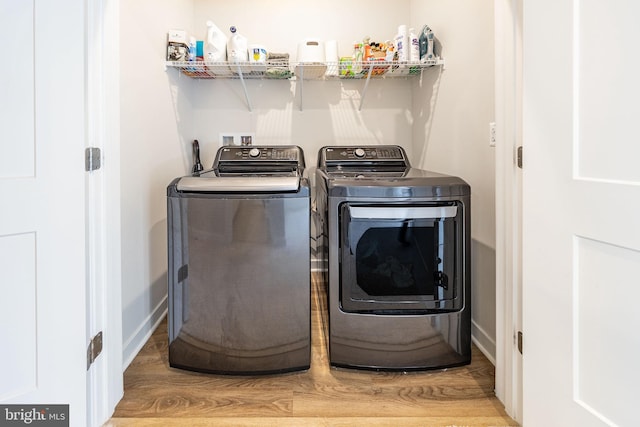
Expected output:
{"points": [[237, 49], [402, 44], [215, 46], [414, 46], [390, 52], [357, 57], [192, 49]]}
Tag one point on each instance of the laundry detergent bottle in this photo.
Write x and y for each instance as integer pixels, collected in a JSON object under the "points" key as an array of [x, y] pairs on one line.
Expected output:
{"points": [[237, 49], [215, 47]]}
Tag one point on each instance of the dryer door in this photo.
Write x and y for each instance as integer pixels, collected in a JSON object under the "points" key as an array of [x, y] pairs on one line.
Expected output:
{"points": [[401, 258]]}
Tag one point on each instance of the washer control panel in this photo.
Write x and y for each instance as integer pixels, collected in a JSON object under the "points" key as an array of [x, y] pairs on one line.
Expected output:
{"points": [[281, 160], [258, 153]]}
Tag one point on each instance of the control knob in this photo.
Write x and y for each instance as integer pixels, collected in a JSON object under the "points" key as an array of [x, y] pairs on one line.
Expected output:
{"points": [[359, 152], [254, 152]]}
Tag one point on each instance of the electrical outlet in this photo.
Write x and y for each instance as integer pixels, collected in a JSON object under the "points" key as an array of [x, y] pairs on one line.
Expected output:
{"points": [[237, 138], [247, 138], [492, 134], [227, 138]]}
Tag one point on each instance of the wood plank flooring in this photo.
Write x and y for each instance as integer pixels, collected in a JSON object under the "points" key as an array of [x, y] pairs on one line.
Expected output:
{"points": [[157, 395]]}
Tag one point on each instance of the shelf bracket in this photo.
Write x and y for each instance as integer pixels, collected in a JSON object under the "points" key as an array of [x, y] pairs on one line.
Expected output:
{"points": [[366, 85], [301, 85], [244, 87]]}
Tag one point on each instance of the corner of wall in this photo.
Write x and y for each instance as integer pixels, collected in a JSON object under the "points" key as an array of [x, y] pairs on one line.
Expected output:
{"points": [[134, 343]]}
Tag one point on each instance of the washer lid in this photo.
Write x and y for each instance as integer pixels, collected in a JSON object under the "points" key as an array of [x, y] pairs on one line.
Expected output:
{"points": [[243, 184]]}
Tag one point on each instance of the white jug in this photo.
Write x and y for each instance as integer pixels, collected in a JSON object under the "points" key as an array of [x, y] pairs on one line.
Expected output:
{"points": [[215, 46]]}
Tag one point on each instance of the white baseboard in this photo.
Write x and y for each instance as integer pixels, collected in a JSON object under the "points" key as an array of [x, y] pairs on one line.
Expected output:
{"points": [[484, 342], [139, 338]]}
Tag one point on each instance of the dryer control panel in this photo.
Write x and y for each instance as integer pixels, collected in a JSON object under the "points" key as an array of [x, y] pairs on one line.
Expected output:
{"points": [[366, 153], [373, 157]]}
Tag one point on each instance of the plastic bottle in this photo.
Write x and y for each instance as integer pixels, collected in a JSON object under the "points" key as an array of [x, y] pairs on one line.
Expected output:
{"points": [[390, 51], [215, 47], [332, 58], [402, 44], [357, 57], [414, 46], [237, 50], [191, 56], [192, 49]]}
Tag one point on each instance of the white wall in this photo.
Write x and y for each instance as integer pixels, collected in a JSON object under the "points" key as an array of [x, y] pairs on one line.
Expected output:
{"points": [[163, 111], [152, 153], [329, 109], [452, 109]]}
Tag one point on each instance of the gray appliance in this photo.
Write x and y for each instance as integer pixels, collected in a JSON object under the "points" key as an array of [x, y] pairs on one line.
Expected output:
{"points": [[395, 243], [239, 264]]}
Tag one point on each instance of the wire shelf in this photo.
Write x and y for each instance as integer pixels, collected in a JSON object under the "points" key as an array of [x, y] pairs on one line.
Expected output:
{"points": [[345, 70]]}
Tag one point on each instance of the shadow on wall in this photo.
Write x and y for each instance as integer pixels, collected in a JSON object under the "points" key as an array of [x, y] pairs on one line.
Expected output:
{"points": [[180, 89], [425, 99], [223, 95], [332, 115], [158, 258], [483, 297], [152, 301], [308, 113], [156, 298]]}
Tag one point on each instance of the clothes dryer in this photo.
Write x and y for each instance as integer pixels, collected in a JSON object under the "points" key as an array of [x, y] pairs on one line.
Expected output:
{"points": [[396, 244]]}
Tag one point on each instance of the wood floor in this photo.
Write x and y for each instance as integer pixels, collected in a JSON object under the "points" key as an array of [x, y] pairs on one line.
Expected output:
{"points": [[157, 395]]}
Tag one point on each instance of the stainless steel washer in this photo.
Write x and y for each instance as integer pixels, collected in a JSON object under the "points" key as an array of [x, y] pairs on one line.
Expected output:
{"points": [[395, 240], [239, 264]]}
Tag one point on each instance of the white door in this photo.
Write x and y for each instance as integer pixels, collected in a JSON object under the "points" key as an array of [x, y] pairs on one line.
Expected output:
{"points": [[581, 239], [42, 214]]}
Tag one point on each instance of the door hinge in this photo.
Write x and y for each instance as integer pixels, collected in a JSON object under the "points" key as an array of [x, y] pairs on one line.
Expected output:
{"points": [[519, 157], [94, 349], [520, 341], [91, 159]]}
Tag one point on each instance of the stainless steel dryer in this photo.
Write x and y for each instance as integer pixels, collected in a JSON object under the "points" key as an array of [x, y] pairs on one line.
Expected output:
{"points": [[396, 242], [239, 264]]}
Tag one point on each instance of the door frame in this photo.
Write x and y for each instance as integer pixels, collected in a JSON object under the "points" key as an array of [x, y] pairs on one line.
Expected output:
{"points": [[104, 283], [508, 112], [107, 388]]}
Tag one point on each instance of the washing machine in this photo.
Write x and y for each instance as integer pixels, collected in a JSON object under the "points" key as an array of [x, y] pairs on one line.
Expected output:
{"points": [[239, 264], [395, 245]]}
